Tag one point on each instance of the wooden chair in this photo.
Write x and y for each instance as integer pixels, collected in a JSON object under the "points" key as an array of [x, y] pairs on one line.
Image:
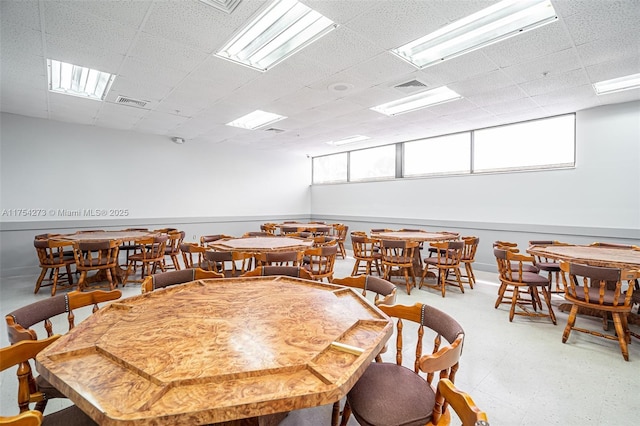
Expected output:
{"points": [[169, 278], [466, 409], [468, 258], [150, 256], [398, 254], [549, 265], [20, 354], [128, 247], [228, 263], [269, 227], [392, 394], [172, 249], [52, 257], [507, 245], [320, 261], [385, 292], [446, 260], [279, 258], [325, 240], [599, 290], [20, 323], [192, 255], [289, 271], [364, 251], [97, 255], [514, 278], [340, 231], [290, 230]]}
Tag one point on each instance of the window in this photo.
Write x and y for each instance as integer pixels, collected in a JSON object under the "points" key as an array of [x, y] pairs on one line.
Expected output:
{"points": [[373, 163], [330, 168], [532, 144], [444, 154]]}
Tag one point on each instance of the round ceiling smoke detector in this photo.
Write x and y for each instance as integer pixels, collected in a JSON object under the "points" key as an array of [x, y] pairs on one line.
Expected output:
{"points": [[340, 87]]}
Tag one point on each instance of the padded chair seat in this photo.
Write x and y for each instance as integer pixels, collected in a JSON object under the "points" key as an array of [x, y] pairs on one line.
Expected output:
{"points": [[548, 266], [399, 259], [383, 407], [47, 388], [534, 279], [525, 268], [70, 416], [434, 261], [96, 262], [594, 296]]}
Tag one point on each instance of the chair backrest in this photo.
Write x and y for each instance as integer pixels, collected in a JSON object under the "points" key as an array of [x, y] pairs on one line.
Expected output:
{"points": [[614, 245], [379, 286], [448, 253], [320, 261], [51, 252], [363, 246], [166, 279], [20, 321], [205, 239], [257, 234], [445, 356], [192, 254], [398, 251], [461, 402], [280, 258], [512, 266], [229, 263], [598, 285], [153, 248], [324, 240], [19, 354], [92, 254], [173, 243], [470, 248], [289, 271], [289, 230]]}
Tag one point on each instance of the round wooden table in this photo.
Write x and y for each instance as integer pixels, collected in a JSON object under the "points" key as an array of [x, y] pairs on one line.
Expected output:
{"points": [[262, 244], [217, 350]]}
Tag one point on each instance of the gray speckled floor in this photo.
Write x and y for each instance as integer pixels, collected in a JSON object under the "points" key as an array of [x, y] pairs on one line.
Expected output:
{"points": [[520, 373]]}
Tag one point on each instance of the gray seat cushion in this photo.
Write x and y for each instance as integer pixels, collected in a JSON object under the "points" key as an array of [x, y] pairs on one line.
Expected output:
{"points": [[70, 416], [391, 395]]}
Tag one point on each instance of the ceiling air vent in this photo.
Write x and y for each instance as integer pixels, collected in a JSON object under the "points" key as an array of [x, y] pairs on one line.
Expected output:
{"points": [[411, 86], [274, 130], [122, 100]]}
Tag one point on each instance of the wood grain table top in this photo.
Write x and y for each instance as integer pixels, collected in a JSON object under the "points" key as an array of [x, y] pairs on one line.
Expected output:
{"points": [[217, 350], [414, 235], [590, 255], [262, 244], [106, 235]]}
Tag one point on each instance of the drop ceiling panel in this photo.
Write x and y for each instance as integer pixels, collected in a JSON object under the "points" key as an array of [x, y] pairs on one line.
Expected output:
{"points": [[157, 50], [460, 68], [511, 106], [615, 68], [605, 50], [92, 31], [157, 74], [77, 53], [18, 39], [160, 123], [552, 82], [126, 12], [603, 19], [554, 63]]}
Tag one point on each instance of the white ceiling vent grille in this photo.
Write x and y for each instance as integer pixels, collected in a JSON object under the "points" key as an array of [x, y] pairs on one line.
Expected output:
{"points": [[123, 100], [411, 86], [226, 6]]}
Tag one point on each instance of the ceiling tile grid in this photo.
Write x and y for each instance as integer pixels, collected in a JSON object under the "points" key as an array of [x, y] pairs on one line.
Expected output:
{"points": [[162, 52]]}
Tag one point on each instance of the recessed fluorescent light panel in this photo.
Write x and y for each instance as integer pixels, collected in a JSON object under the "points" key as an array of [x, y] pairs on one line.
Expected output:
{"points": [[79, 81], [256, 119], [617, 84], [350, 139], [495, 23], [418, 101], [278, 31]]}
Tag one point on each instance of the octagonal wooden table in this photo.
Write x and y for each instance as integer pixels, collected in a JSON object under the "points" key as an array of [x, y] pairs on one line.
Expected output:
{"points": [[610, 257], [215, 351], [262, 244]]}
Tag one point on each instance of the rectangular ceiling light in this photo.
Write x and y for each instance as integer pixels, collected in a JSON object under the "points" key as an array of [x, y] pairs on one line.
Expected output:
{"points": [[226, 6], [256, 119], [79, 81], [617, 84], [490, 25], [350, 139], [278, 31], [418, 101]]}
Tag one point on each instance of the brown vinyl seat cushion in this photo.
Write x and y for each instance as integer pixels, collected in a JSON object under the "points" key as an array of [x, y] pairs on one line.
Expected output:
{"points": [[383, 407]]}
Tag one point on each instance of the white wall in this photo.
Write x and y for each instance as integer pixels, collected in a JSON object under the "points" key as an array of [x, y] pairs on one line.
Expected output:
{"points": [[52, 165], [603, 190]]}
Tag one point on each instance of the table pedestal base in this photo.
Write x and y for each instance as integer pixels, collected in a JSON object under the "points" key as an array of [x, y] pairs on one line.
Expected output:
{"points": [[268, 420]]}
